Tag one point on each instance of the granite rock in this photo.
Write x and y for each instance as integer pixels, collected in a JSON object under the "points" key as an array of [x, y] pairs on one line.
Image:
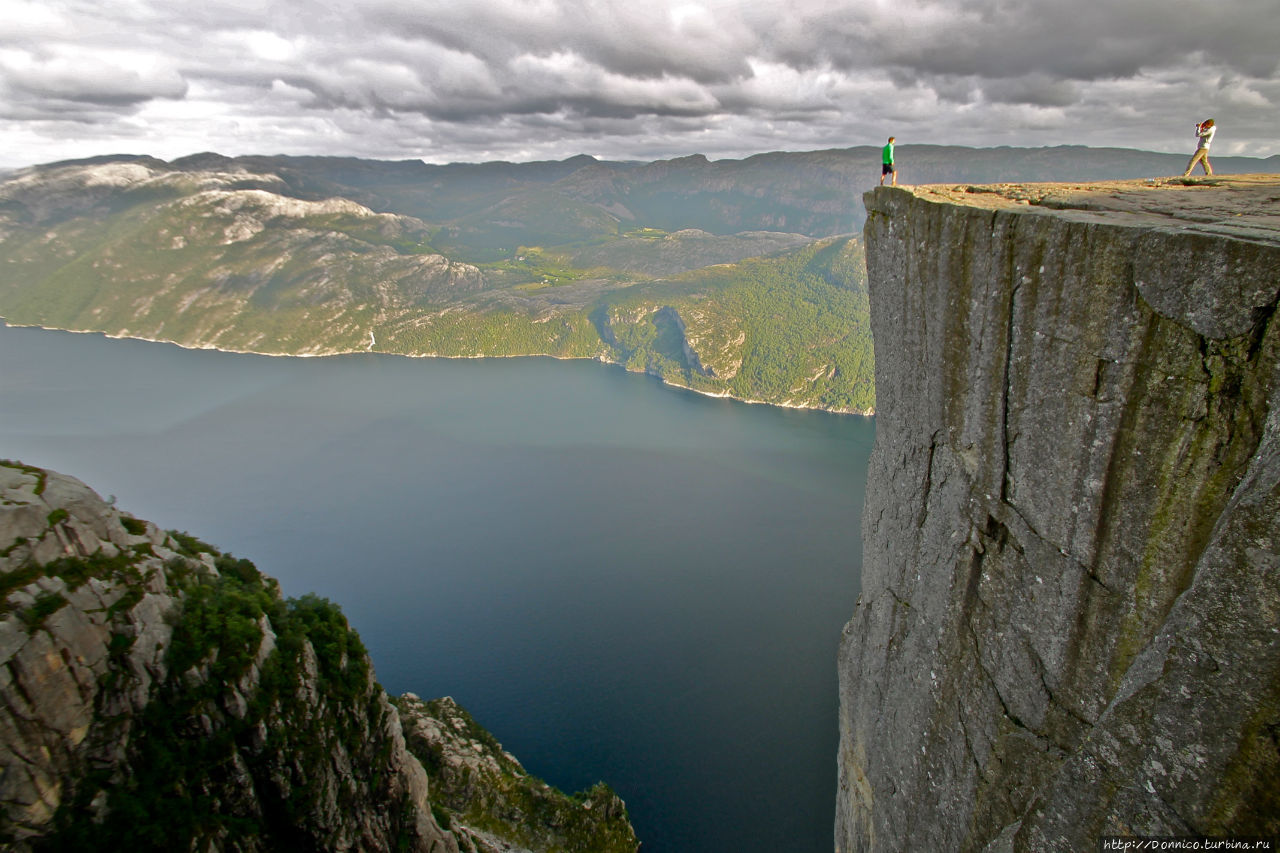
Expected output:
{"points": [[1069, 623]]}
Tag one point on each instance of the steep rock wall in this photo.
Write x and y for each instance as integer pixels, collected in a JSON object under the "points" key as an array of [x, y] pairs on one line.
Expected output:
{"points": [[1070, 616]]}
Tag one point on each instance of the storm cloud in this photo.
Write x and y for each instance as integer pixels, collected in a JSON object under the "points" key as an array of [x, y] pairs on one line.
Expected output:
{"points": [[533, 79]]}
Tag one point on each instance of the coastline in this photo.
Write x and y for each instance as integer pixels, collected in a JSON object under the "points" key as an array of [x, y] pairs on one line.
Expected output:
{"points": [[599, 358]]}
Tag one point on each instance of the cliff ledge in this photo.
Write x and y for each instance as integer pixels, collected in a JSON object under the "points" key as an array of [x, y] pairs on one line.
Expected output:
{"points": [[1070, 618]]}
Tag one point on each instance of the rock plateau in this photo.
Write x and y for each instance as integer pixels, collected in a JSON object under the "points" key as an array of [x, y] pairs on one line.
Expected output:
{"points": [[1069, 624]]}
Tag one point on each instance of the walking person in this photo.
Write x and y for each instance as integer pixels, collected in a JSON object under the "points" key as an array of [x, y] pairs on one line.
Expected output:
{"points": [[888, 167], [1204, 132]]}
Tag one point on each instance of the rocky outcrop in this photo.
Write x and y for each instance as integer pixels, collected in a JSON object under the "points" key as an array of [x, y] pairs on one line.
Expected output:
{"points": [[155, 693], [491, 804], [1069, 624]]}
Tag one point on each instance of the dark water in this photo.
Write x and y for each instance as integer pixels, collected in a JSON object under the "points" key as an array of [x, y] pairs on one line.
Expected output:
{"points": [[622, 581]]}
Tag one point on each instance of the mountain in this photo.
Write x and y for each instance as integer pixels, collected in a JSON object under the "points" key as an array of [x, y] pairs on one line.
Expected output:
{"points": [[276, 262], [158, 694], [731, 277]]}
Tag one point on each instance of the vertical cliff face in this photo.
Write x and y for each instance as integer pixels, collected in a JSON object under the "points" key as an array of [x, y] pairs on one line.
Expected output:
{"points": [[1070, 617]]}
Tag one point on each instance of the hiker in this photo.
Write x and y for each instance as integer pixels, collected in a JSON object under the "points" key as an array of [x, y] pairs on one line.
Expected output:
{"points": [[1204, 132], [886, 158]]}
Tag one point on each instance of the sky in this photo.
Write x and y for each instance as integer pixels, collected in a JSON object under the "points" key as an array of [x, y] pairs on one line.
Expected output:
{"points": [[520, 80]]}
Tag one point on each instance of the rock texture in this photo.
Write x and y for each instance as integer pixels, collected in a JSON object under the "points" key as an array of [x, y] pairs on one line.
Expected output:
{"points": [[1070, 616], [157, 694]]}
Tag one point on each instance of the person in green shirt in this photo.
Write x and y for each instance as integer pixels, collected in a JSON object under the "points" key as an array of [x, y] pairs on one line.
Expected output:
{"points": [[886, 157]]}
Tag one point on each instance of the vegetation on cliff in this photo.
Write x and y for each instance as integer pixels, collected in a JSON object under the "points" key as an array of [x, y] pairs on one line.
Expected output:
{"points": [[166, 794], [484, 795], [158, 694]]}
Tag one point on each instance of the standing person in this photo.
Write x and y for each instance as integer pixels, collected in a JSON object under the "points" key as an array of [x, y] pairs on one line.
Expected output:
{"points": [[1204, 132], [886, 158]]}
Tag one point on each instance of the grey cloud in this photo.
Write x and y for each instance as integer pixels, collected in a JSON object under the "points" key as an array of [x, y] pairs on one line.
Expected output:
{"points": [[1075, 41], [524, 78], [649, 40], [63, 87], [1035, 89], [47, 115]]}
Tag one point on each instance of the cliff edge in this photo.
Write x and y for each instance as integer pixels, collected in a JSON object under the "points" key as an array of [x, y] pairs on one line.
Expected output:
{"points": [[157, 694], [1070, 615]]}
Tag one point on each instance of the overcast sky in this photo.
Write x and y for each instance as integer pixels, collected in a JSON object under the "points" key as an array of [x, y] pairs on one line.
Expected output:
{"points": [[473, 80]]}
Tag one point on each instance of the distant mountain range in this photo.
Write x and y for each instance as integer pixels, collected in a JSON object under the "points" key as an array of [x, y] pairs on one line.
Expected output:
{"points": [[815, 193], [733, 277]]}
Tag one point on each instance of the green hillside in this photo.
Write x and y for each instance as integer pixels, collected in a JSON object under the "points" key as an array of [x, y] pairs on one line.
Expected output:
{"points": [[263, 256]]}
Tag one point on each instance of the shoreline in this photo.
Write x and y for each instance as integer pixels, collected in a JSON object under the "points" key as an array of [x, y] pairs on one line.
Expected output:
{"points": [[713, 394]]}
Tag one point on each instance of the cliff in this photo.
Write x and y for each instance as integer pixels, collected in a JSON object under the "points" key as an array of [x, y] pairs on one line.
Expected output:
{"points": [[1069, 624], [156, 693]]}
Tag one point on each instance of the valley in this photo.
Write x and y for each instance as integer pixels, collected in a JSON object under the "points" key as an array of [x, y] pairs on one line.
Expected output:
{"points": [[738, 278]]}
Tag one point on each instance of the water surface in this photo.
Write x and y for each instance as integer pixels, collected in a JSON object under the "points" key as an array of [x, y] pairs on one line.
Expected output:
{"points": [[621, 580]]}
